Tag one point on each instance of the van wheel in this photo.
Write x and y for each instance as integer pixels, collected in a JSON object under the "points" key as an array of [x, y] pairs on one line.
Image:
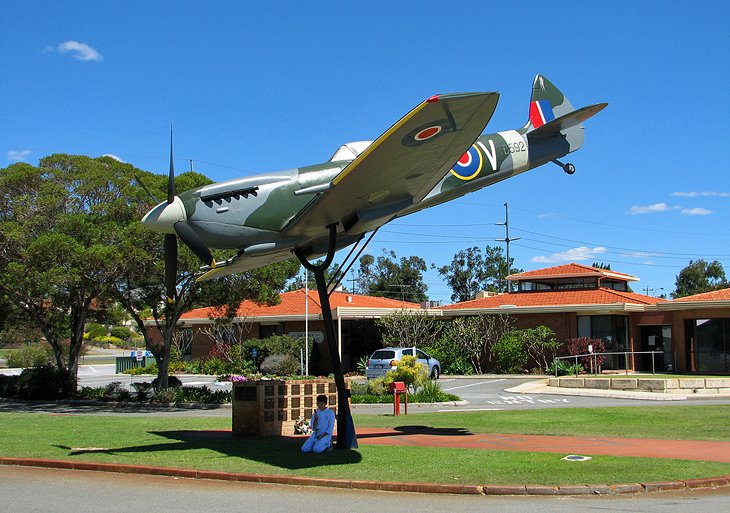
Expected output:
{"points": [[435, 372]]}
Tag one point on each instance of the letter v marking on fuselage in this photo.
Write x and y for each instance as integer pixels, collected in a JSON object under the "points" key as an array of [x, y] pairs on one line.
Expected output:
{"points": [[491, 156]]}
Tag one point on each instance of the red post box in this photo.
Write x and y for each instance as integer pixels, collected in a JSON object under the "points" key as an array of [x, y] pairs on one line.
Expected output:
{"points": [[399, 388]]}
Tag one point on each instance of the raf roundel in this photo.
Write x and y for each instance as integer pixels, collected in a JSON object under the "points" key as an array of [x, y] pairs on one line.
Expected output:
{"points": [[427, 133], [469, 165]]}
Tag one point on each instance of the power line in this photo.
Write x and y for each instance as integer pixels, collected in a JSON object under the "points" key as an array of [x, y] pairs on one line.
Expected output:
{"points": [[652, 253]]}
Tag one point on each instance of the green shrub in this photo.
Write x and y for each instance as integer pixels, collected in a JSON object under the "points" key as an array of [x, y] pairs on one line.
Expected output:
{"points": [[121, 332], [165, 396], [92, 393], [30, 355], [137, 371], [453, 357], [115, 391], [509, 354], [94, 330], [358, 388], [194, 367], [9, 385], [280, 365], [430, 392], [143, 390], [110, 339], [377, 386], [372, 399], [201, 395], [215, 366], [410, 371], [362, 364], [564, 367], [45, 382]]}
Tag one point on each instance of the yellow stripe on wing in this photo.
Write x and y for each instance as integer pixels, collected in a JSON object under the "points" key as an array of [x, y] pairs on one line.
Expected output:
{"points": [[379, 141]]}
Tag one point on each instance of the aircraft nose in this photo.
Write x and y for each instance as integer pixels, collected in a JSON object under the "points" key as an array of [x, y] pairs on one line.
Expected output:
{"points": [[163, 217]]}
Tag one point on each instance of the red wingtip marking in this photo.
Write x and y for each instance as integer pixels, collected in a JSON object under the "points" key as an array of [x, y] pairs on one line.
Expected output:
{"points": [[433, 99]]}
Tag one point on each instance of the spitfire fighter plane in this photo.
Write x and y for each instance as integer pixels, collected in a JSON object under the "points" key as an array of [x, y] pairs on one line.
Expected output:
{"points": [[434, 154]]}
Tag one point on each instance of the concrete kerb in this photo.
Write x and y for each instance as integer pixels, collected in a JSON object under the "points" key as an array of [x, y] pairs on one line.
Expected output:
{"points": [[461, 489], [540, 386]]}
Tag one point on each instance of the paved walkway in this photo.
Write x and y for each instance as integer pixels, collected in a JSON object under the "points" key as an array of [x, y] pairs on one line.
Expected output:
{"points": [[457, 438]]}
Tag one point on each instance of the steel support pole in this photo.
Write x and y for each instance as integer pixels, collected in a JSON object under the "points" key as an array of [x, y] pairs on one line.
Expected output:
{"points": [[346, 437]]}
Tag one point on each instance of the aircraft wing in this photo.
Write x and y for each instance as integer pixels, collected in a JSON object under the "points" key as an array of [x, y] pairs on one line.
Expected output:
{"points": [[400, 167]]}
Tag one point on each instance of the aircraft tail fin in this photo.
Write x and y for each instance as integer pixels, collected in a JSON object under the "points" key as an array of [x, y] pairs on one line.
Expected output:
{"points": [[551, 113]]}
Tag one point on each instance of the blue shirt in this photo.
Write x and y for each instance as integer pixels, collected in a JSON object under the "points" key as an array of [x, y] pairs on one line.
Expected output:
{"points": [[325, 421]]}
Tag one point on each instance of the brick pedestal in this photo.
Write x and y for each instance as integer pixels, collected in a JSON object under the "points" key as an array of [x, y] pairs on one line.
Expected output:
{"points": [[272, 407]]}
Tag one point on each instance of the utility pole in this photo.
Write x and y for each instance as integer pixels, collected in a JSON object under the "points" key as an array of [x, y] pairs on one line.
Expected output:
{"points": [[353, 280], [506, 240], [649, 292]]}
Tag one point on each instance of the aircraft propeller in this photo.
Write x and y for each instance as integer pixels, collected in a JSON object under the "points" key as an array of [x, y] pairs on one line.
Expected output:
{"points": [[170, 245], [172, 212]]}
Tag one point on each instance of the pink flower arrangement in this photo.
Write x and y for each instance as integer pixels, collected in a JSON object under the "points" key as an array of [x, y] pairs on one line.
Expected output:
{"points": [[238, 379]]}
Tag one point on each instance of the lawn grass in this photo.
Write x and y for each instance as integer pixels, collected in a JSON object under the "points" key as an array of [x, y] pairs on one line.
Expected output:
{"points": [[691, 422], [206, 443]]}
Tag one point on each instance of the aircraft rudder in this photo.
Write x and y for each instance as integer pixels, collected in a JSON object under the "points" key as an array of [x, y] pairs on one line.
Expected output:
{"points": [[547, 102]]}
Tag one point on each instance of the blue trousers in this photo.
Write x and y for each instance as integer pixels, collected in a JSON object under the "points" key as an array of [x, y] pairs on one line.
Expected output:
{"points": [[314, 445]]}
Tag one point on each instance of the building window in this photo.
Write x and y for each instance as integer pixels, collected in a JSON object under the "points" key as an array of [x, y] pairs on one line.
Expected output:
{"points": [[612, 330], [621, 286], [558, 284], [269, 330], [708, 344]]}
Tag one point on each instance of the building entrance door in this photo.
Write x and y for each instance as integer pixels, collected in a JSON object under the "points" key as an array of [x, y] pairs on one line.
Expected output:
{"points": [[655, 338]]}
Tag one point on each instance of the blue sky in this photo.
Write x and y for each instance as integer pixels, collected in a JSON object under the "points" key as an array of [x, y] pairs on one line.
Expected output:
{"points": [[261, 86]]}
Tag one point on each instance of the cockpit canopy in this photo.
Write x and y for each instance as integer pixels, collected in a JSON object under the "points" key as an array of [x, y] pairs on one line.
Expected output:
{"points": [[350, 151]]}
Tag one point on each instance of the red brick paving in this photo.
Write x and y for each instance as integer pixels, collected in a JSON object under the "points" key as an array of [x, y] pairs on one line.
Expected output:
{"points": [[587, 446]]}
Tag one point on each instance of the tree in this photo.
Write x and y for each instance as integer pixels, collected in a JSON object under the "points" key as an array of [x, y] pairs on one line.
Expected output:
{"points": [[409, 329], [470, 272], [476, 335], [141, 284], [699, 277], [330, 274], [57, 223], [540, 344], [71, 240], [386, 277]]}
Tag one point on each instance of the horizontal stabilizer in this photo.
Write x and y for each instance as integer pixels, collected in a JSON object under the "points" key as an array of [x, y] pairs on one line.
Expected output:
{"points": [[566, 121]]}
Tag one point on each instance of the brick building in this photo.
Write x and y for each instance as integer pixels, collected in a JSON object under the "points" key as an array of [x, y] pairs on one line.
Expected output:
{"points": [[574, 300]]}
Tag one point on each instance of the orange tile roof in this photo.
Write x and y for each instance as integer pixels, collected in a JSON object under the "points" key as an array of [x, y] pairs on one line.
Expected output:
{"points": [[714, 295], [601, 296], [293, 303], [571, 269]]}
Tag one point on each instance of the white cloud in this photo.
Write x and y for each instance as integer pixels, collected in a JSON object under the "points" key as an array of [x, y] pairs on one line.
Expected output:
{"points": [[706, 194], [18, 155], [80, 51], [696, 211], [572, 255], [114, 157], [650, 209], [640, 254]]}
